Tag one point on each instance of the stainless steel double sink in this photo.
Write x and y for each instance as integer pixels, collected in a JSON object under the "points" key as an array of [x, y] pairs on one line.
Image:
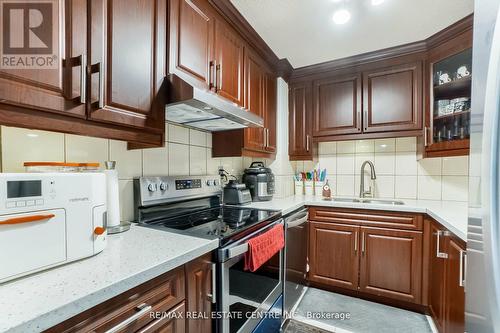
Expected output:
{"points": [[367, 200]]}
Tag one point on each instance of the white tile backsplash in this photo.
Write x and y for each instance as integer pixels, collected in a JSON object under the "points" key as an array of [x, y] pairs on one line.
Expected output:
{"points": [[128, 162], [86, 149], [406, 164], [197, 161], [346, 147], [399, 173], [455, 188], [385, 145], [197, 138], [178, 159], [178, 134], [21, 145], [456, 166], [406, 144], [155, 161]]}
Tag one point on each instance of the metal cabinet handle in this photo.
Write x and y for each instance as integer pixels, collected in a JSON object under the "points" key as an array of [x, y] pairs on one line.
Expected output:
{"points": [[363, 242], [365, 119], [426, 140], [358, 120], [217, 70], [83, 78], [211, 67], [355, 242], [144, 308], [463, 268], [213, 295], [440, 254], [218, 73], [307, 142]]}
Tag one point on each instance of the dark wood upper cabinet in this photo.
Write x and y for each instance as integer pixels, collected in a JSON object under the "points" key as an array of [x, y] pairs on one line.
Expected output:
{"points": [[192, 25], [337, 105], [254, 99], [300, 121], [392, 98], [128, 54], [333, 254], [391, 263], [59, 89], [229, 57]]}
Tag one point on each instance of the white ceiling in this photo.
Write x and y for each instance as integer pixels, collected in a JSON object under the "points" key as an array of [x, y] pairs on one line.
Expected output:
{"points": [[303, 30]]}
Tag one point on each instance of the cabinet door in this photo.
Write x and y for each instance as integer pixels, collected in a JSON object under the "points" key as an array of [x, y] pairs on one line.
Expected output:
{"points": [[199, 289], [436, 277], [337, 106], [191, 41], [271, 112], [455, 292], [254, 99], [59, 46], [333, 254], [300, 104], [391, 263], [129, 55], [392, 99], [229, 63]]}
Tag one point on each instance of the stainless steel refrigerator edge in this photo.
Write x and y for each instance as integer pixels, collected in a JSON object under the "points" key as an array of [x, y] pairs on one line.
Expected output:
{"points": [[483, 234]]}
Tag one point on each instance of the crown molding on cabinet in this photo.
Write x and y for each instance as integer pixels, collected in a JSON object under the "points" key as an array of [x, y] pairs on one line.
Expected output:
{"points": [[388, 53]]}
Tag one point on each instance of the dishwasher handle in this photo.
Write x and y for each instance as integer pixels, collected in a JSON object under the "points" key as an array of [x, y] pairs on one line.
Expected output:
{"points": [[297, 219]]}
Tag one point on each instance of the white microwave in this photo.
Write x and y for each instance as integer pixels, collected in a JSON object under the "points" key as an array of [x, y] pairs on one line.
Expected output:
{"points": [[49, 219]]}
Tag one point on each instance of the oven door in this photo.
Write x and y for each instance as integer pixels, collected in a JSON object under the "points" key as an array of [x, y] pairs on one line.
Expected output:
{"points": [[246, 297]]}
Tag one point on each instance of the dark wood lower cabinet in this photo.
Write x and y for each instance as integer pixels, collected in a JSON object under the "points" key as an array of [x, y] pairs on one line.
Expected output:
{"points": [[446, 280], [349, 250], [199, 290], [169, 296], [391, 263], [333, 255], [436, 277]]}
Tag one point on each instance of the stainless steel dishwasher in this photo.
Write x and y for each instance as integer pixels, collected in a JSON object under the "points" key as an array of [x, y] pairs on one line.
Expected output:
{"points": [[296, 262]]}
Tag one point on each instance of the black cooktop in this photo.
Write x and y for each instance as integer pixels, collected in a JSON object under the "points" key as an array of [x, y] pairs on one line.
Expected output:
{"points": [[209, 220]]}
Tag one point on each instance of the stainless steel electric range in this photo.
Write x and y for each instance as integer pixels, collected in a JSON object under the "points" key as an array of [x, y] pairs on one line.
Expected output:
{"points": [[192, 206]]}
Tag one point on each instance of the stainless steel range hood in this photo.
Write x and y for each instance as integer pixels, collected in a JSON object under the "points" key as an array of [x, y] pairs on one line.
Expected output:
{"points": [[202, 109]]}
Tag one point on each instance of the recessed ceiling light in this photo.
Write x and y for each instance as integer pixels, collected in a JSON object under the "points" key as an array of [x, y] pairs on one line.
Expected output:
{"points": [[377, 2], [341, 16]]}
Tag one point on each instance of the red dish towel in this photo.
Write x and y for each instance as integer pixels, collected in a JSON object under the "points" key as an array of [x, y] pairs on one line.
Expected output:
{"points": [[263, 247]]}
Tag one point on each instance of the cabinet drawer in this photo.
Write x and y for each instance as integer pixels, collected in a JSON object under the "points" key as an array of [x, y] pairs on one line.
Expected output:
{"points": [[375, 218], [160, 294]]}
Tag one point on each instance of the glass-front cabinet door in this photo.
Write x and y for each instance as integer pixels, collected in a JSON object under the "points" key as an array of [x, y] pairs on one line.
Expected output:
{"points": [[449, 81]]}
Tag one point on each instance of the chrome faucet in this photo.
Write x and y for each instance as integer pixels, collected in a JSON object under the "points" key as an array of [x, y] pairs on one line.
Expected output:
{"points": [[373, 176]]}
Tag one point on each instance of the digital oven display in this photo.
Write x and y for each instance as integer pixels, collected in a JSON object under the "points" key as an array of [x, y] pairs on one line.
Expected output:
{"points": [[187, 184], [24, 188]]}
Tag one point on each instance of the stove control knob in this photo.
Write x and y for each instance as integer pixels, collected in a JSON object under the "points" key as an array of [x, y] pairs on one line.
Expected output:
{"points": [[163, 186], [215, 182], [152, 187], [209, 183]]}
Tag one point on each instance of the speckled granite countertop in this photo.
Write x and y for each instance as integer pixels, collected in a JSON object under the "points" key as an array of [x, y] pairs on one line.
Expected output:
{"points": [[40, 301], [451, 214]]}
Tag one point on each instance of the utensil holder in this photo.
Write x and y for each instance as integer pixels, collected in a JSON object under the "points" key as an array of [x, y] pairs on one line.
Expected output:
{"points": [[309, 187], [299, 187]]}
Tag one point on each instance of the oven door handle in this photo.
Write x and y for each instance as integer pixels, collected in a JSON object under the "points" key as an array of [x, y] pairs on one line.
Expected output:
{"points": [[237, 250]]}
